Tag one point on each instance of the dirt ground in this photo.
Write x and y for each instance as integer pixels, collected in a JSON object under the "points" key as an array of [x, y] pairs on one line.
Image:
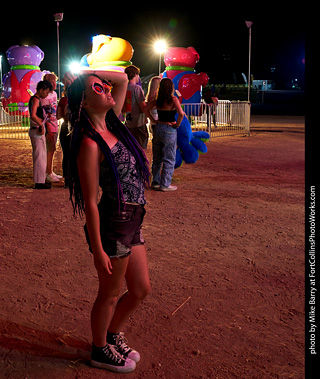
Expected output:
{"points": [[227, 246]]}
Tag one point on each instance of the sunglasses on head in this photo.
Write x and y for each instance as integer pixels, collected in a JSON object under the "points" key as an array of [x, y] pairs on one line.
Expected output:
{"points": [[99, 88]]}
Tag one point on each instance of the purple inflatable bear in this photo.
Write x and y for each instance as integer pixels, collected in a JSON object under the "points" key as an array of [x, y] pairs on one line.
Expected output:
{"points": [[22, 79]]}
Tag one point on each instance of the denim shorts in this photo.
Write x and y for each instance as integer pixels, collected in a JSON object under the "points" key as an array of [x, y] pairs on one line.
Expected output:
{"points": [[119, 230]]}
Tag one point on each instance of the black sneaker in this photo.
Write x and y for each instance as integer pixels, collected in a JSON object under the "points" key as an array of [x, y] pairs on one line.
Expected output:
{"points": [[120, 342], [42, 186], [107, 357]]}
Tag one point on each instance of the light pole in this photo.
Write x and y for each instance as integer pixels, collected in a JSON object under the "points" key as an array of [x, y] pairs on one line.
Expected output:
{"points": [[160, 47], [0, 72], [249, 24], [58, 17]]}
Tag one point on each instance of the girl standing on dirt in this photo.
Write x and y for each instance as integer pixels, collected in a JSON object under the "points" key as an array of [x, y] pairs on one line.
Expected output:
{"points": [[37, 135], [164, 142], [103, 152]]}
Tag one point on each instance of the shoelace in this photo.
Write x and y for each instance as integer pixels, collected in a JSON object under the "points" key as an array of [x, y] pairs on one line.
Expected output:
{"points": [[121, 343], [111, 353]]}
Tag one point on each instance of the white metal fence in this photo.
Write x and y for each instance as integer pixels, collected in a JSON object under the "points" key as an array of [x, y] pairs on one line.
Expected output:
{"points": [[14, 125], [226, 119]]}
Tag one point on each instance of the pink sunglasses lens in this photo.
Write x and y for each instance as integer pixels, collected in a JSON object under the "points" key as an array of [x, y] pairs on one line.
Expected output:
{"points": [[98, 88]]}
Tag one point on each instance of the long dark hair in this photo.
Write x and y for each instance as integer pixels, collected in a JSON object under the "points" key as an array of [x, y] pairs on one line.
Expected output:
{"points": [[80, 126], [165, 92]]}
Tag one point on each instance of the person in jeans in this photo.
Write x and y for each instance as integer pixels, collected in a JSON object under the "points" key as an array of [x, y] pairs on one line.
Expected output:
{"points": [[104, 153], [164, 142], [136, 120], [37, 135]]}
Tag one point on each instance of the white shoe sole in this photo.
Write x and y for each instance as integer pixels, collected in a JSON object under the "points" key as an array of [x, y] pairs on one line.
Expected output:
{"points": [[52, 180], [129, 366], [168, 189]]}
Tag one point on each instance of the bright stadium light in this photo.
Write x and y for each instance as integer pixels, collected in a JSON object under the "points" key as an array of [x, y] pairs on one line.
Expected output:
{"points": [[75, 67], [160, 47]]}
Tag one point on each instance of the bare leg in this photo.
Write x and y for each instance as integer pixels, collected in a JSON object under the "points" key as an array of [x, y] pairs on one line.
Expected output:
{"points": [[109, 290], [138, 284], [49, 161]]}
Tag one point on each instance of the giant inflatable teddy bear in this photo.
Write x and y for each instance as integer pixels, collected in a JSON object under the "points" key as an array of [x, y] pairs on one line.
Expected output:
{"points": [[180, 63], [22, 79], [190, 144], [108, 53]]}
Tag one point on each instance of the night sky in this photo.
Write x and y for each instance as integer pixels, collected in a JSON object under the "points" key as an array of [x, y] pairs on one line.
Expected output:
{"points": [[218, 33]]}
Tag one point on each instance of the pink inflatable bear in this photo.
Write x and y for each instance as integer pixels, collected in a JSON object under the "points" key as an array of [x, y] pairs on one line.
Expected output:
{"points": [[180, 63]]}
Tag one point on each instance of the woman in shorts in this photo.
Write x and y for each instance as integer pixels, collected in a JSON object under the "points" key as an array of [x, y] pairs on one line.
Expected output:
{"points": [[104, 153]]}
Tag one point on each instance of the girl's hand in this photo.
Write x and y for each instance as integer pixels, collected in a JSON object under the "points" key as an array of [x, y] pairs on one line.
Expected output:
{"points": [[103, 263], [41, 130], [174, 124]]}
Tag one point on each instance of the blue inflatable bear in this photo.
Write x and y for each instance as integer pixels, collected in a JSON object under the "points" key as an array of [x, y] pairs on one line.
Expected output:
{"points": [[190, 144]]}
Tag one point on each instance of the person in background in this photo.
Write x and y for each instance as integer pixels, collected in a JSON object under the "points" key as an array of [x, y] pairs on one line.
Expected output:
{"points": [[65, 136], [49, 105], [37, 135], [152, 94], [164, 142], [136, 120], [104, 153], [211, 98]]}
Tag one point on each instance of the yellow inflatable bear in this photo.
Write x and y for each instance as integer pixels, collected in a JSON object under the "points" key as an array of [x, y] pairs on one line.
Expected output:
{"points": [[108, 53]]}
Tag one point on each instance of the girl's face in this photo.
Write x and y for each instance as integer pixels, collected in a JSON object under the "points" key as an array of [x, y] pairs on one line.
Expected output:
{"points": [[43, 93], [97, 95], [53, 83]]}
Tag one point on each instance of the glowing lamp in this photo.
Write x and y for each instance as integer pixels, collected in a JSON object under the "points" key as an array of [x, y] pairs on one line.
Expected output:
{"points": [[160, 46], [75, 67]]}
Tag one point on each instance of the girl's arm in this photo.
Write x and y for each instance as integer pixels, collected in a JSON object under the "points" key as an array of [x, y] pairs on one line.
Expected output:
{"points": [[147, 109], [61, 109], [89, 167], [119, 82], [33, 115], [178, 108]]}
